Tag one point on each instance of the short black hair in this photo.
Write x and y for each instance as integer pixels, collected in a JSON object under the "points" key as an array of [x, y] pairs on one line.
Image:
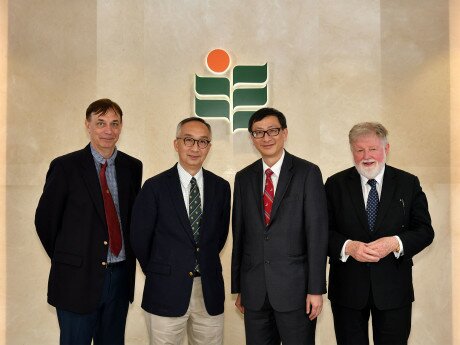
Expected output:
{"points": [[263, 113], [190, 119], [101, 106]]}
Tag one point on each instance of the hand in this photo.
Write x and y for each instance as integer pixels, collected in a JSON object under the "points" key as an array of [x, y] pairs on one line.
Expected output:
{"points": [[238, 304], [314, 306], [384, 246], [361, 252]]}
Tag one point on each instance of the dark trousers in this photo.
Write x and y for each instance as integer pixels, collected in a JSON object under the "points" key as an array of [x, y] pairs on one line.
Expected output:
{"points": [[106, 325], [270, 327], [389, 327]]}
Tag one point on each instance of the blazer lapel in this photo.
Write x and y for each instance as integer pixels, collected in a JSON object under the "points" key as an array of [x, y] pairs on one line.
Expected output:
{"points": [[356, 194], [91, 179], [123, 182], [283, 184], [177, 198], [256, 184], [209, 190], [388, 190]]}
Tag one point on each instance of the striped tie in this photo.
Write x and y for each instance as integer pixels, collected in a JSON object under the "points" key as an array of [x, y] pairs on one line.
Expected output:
{"points": [[194, 207], [269, 194]]}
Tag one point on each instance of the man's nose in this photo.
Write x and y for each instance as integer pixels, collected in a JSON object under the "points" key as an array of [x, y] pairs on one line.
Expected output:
{"points": [[266, 137], [367, 154], [195, 146], [108, 129]]}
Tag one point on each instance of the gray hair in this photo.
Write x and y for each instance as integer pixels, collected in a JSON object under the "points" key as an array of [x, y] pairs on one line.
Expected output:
{"points": [[366, 128], [190, 119]]}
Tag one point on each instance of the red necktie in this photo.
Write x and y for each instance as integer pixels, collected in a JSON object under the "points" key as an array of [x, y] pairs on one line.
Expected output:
{"points": [[113, 225], [269, 194]]}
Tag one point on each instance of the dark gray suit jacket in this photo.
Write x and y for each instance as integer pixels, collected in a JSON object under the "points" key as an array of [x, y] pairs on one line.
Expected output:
{"points": [[287, 259]]}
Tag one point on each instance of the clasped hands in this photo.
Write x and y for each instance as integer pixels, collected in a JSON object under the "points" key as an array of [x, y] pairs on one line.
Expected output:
{"points": [[373, 251]]}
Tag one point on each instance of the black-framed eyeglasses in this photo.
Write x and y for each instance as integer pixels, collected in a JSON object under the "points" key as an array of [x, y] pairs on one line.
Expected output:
{"points": [[272, 132], [189, 142]]}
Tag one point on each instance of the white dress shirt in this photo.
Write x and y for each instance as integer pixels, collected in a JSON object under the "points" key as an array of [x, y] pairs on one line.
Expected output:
{"points": [[276, 168], [366, 188], [185, 178]]}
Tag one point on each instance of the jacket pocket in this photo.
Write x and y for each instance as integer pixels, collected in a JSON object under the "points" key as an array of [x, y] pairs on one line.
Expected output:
{"points": [[246, 264], [159, 268], [68, 259], [297, 258]]}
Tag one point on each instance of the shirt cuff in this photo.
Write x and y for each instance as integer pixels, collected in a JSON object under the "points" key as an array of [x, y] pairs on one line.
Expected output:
{"points": [[344, 257], [401, 248]]}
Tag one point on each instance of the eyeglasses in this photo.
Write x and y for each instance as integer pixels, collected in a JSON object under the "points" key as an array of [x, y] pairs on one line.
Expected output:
{"points": [[190, 142], [272, 132]]}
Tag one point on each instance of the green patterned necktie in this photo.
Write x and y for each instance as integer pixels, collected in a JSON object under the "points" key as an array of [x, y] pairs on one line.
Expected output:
{"points": [[194, 207]]}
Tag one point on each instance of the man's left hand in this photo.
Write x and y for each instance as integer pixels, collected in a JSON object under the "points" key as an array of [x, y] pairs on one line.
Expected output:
{"points": [[384, 246], [314, 306]]}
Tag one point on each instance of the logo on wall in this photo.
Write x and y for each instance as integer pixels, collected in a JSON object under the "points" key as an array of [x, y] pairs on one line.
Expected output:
{"points": [[234, 97]]}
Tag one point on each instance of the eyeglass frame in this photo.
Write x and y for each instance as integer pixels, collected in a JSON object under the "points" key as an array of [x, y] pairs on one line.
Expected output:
{"points": [[197, 141], [278, 129]]}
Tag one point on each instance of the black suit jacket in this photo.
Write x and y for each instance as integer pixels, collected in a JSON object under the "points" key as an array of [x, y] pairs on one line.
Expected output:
{"points": [[287, 259], [70, 221], [163, 242], [403, 211]]}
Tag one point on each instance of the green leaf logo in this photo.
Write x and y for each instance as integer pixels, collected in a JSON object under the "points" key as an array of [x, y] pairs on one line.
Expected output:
{"points": [[235, 97]]}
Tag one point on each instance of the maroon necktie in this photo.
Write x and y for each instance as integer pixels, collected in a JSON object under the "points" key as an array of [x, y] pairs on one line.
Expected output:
{"points": [[269, 194], [113, 225]]}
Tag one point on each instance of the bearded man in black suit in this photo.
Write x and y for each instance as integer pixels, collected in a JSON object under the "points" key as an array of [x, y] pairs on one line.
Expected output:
{"points": [[378, 221]]}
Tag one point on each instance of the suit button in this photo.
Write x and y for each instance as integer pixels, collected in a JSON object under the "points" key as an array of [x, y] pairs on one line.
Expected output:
{"points": [[106, 243], [104, 263], [267, 262], [190, 274], [266, 238]]}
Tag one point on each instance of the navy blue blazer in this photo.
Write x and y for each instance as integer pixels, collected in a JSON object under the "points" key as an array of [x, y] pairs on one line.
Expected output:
{"points": [[70, 221], [163, 243]]}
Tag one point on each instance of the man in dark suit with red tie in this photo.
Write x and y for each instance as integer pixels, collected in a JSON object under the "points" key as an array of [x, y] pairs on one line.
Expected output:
{"points": [[83, 220], [279, 239], [378, 221]]}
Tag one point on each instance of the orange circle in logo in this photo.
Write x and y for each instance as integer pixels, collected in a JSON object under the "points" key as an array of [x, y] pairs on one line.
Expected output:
{"points": [[218, 60]]}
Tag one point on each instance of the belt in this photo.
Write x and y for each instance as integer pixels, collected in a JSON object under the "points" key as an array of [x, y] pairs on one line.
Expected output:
{"points": [[115, 264]]}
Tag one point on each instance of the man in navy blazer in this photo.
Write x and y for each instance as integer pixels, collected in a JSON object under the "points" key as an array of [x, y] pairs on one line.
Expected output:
{"points": [[379, 221], [179, 226], [92, 279]]}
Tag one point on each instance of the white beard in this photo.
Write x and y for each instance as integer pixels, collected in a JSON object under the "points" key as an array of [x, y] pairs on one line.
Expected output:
{"points": [[370, 172]]}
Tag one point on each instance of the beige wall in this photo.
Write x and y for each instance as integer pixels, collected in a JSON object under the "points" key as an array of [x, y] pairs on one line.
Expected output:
{"points": [[454, 25], [332, 64]]}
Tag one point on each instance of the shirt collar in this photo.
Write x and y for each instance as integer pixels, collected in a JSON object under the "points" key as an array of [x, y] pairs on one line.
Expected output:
{"points": [[276, 168], [378, 178], [185, 177], [100, 159]]}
